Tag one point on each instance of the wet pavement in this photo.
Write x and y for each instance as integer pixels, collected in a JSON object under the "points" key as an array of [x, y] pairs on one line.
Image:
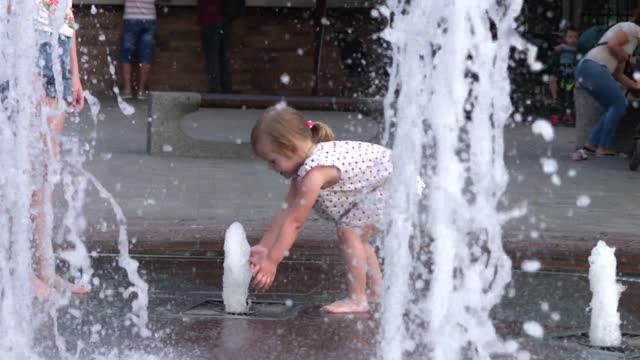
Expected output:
{"points": [[559, 302], [179, 208], [183, 205]]}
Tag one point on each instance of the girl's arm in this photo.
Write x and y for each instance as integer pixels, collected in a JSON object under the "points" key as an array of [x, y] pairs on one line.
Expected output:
{"points": [[76, 85], [269, 238], [300, 207], [298, 211]]}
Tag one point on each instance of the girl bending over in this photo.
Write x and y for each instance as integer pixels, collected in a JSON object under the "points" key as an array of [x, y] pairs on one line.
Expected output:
{"points": [[343, 180]]}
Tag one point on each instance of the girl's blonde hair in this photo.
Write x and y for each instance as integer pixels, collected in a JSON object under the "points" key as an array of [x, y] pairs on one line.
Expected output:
{"points": [[283, 126]]}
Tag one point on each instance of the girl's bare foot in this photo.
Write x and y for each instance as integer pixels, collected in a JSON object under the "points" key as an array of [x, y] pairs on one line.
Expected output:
{"points": [[347, 305], [60, 283], [42, 288]]}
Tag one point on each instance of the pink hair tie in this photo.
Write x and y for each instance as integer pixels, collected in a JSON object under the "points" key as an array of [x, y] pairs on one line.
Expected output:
{"points": [[310, 124]]}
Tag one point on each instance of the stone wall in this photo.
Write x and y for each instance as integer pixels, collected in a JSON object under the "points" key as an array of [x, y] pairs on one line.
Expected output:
{"points": [[266, 43]]}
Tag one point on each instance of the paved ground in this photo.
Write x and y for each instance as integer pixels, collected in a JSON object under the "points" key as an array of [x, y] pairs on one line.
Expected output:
{"points": [[189, 202], [286, 323], [179, 206]]}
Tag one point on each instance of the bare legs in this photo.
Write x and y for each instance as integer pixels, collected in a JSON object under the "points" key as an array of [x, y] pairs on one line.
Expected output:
{"points": [[45, 276], [127, 86], [126, 79], [144, 77], [359, 256], [374, 275]]}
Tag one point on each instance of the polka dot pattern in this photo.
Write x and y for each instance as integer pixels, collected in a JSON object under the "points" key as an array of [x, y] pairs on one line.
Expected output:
{"points": [[358, 198]]}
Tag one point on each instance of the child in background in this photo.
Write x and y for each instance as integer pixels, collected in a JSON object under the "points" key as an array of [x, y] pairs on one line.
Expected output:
{"points": [[343, 180], [72, 95], [562, 80]]}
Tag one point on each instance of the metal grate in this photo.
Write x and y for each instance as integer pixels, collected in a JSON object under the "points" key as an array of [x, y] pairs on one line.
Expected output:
{"points": [[258, 309], [630, 347]]}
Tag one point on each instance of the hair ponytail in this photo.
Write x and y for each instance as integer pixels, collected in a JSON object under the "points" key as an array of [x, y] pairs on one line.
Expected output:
{"points": [[321, 132], [283, 127]]}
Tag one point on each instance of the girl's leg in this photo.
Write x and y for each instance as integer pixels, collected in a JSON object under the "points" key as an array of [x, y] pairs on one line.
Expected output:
{"points": [[42, 196], [374, 275], [41, 199], [355, 258]]}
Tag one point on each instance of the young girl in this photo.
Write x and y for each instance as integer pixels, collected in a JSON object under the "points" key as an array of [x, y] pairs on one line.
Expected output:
{"points": [[343, 180], [45, 277]]}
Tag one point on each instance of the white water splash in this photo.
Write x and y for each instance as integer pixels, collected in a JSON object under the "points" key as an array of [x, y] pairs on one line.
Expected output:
{"points": [[544, 129], [124, 106], [533, 328], [531, 265], [237, 276], [17, 118], [138, 315], [448, 100], [583, 200], [30, 165], [605, 318]]}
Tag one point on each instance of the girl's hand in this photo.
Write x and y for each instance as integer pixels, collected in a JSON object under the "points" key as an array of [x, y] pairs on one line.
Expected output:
{"points": [[77, 100], [258, 254], [265, 275]]}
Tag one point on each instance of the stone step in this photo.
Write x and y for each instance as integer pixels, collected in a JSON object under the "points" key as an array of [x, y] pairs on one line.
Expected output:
{"points": [[180, 126]]}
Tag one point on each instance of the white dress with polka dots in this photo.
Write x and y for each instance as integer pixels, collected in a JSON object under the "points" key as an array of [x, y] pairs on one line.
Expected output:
{"points": [[358, 197]]}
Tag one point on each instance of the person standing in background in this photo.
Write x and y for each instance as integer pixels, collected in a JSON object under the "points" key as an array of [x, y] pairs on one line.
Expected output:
{"points": [[214, 19], [139, 31]]}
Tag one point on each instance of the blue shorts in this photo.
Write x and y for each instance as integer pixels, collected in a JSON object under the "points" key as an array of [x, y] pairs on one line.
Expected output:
{"points": [[142, 32], [45, 68]]}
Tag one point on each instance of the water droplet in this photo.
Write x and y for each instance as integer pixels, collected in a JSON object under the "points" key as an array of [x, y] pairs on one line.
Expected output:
{"points": [[583, 201]]}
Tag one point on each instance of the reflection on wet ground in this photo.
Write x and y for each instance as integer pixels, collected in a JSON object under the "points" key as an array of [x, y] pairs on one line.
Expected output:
{"points": [[559, 302]]}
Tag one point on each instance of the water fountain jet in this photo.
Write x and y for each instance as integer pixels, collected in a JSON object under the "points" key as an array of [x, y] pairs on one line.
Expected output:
{"points": [[448, 100]]}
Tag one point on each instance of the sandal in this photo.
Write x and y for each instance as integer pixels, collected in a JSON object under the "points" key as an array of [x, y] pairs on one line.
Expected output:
{"points": [[612, 155], [588, 149], [579, 155]]}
